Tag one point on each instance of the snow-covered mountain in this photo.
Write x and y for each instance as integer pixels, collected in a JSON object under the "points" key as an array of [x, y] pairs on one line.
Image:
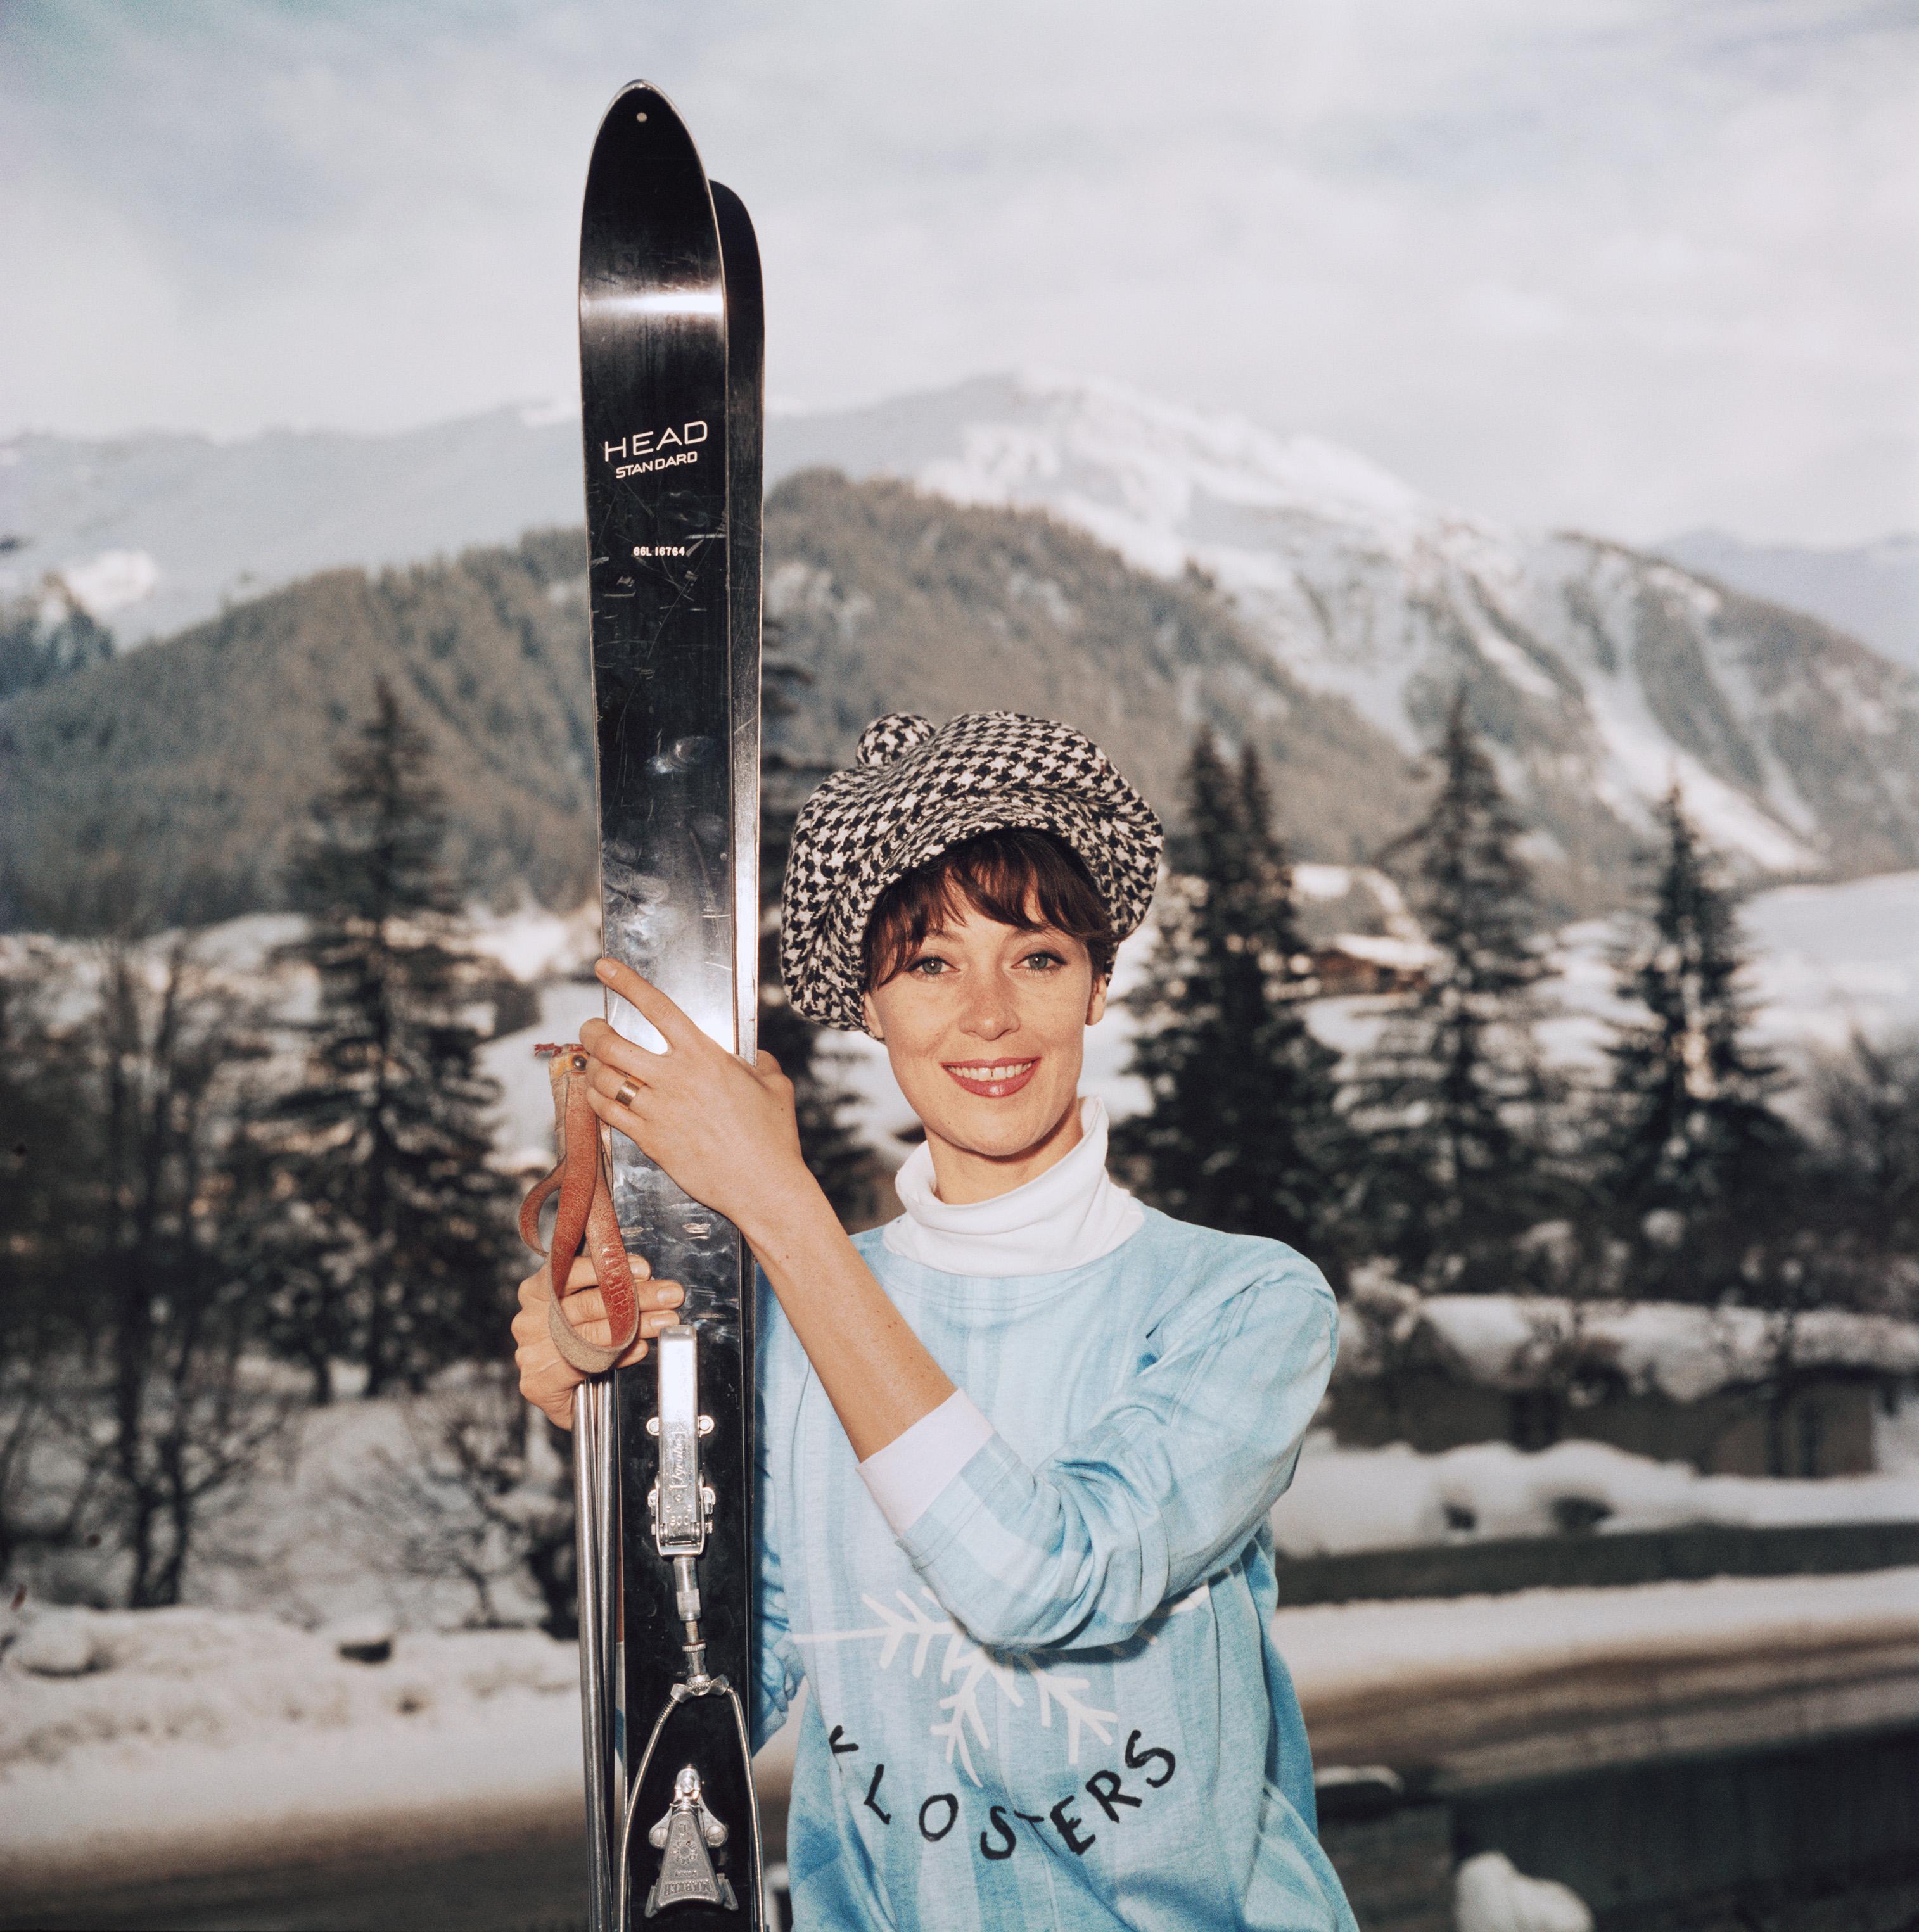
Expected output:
{"points": [[1869, 590], [154, 532], [1601, 674]]}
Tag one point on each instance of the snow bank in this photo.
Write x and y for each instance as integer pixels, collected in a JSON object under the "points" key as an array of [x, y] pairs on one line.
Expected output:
{"points": [[1464, 1646], [1346, 1499], [1489, 1894], [1683, 1352], [145, 1741]]}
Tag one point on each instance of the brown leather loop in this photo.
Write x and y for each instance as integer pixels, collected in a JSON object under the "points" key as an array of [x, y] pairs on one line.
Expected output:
{"points": [[585, 1214]]}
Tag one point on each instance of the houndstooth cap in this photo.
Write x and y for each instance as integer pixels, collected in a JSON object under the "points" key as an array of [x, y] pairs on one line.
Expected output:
{"points": [[916, 791]]}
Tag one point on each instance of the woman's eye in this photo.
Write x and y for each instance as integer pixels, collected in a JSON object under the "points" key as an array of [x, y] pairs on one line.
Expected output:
{"points": [[1042, 962], [928, 968]]}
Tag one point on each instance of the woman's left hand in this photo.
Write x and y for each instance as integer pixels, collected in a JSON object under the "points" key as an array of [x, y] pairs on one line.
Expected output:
{"points": [[725, 1131]]}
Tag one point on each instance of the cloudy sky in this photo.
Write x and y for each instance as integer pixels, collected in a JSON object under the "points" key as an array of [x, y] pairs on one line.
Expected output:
{"points": [[1630, 265]]}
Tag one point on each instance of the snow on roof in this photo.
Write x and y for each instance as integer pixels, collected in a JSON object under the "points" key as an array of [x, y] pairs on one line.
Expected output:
{"points": [[1382, 950], [1346, 1499], [1683, 1352], [1312, 881]]}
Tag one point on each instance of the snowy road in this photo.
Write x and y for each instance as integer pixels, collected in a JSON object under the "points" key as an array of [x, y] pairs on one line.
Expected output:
{"points": [[535, 1886]]}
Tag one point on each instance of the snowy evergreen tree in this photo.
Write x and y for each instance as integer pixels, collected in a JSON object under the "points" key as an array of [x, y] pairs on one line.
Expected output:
{"points": [[388, 1239], [1693, 1157], [1452, 1097], [1244, 1133]]}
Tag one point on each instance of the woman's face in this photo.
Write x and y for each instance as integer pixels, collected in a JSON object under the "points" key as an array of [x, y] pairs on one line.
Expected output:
{"points": [[985, 1025]]}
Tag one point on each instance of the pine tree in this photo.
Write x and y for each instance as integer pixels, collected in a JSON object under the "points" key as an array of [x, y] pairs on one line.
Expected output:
{"points": [[1693, 1155], [1452, 1097], [1244, 1133], [841, 1162], [390, 1247], [49, 636], [1862, 1212]]}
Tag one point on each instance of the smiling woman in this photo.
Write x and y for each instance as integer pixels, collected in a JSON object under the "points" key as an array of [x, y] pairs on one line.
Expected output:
{"points": [[984, 969], [1030, 1421]]}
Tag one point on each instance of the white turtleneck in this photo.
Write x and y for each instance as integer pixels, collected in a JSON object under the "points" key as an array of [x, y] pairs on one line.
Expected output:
{"points": [[1071, 1214]]}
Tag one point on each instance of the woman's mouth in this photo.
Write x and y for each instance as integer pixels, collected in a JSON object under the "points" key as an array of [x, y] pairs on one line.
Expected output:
{"points": [[992, 1079]]}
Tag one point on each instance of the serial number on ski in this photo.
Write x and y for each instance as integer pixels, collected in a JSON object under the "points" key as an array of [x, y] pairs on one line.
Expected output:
{"points": [[662, 549]]}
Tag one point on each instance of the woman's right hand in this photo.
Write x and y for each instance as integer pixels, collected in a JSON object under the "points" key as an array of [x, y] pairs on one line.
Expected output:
{"points": [[547, 1378]]}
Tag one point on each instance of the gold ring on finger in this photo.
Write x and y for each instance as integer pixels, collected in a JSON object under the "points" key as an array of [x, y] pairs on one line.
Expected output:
{"points": [[624, 1098]]}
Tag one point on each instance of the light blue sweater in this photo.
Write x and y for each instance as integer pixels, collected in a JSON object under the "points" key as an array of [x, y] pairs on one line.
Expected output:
{"points": [[1054, 1701]]}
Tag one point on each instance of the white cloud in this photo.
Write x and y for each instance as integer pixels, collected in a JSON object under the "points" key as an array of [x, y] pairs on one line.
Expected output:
{"points": [[1625, 264]]}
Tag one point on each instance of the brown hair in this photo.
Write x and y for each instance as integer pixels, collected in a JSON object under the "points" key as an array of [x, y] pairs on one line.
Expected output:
{"points": [[1018, 876]]}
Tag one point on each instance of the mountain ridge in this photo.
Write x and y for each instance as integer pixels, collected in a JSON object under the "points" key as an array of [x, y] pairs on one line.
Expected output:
{"points": [[1869, 590], [1599, 674], [176, 775]]}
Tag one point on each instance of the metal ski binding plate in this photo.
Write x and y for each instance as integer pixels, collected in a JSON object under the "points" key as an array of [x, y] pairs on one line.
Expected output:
{"points": [[686, 1876], [680, 1502]]}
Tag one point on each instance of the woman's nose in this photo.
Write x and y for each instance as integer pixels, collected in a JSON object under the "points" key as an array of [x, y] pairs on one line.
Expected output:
{"points": [[990, 1013]]}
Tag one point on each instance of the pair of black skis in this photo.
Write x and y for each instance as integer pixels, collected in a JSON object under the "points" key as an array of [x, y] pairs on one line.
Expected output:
{"points": [[672, 340]]}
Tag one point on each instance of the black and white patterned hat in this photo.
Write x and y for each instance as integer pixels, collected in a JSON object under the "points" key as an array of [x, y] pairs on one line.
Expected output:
{"points": [[916, 791]]}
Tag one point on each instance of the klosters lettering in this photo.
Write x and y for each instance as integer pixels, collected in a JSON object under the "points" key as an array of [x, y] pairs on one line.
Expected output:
{"points": [[940, 1814]]}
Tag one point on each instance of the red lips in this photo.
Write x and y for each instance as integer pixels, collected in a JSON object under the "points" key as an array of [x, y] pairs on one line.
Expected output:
{"points": [[1002, 1077]]}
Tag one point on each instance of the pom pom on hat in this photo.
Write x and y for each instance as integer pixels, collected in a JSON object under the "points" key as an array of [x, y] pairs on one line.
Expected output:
{"points": [[887, 738]]}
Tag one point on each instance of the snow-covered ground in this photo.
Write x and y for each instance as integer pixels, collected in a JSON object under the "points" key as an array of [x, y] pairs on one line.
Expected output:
{"points": [[135, 1743], [319, 1538], [138, 1743]]}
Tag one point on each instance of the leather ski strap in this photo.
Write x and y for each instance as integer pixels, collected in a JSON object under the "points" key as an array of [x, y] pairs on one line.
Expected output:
{"points": [[585, 1217]]}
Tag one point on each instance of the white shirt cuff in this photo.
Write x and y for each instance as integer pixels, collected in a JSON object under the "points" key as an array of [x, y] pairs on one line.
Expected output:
{"points": [[905, 1476]]}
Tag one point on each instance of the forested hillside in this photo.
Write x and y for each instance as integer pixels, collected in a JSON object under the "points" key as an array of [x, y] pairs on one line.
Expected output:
{"points": [[168, 782]]}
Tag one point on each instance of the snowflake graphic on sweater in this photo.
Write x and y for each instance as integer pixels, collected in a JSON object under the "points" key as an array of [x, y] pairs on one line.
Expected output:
{"points": [[912, 1630]]}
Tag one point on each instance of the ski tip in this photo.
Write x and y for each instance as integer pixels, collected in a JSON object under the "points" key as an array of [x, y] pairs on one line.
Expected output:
{"points": [[642, 101], [640, 128]]}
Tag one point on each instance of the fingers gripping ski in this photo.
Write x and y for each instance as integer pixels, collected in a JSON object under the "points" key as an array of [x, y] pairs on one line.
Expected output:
{"points": [[585, 1215]]}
